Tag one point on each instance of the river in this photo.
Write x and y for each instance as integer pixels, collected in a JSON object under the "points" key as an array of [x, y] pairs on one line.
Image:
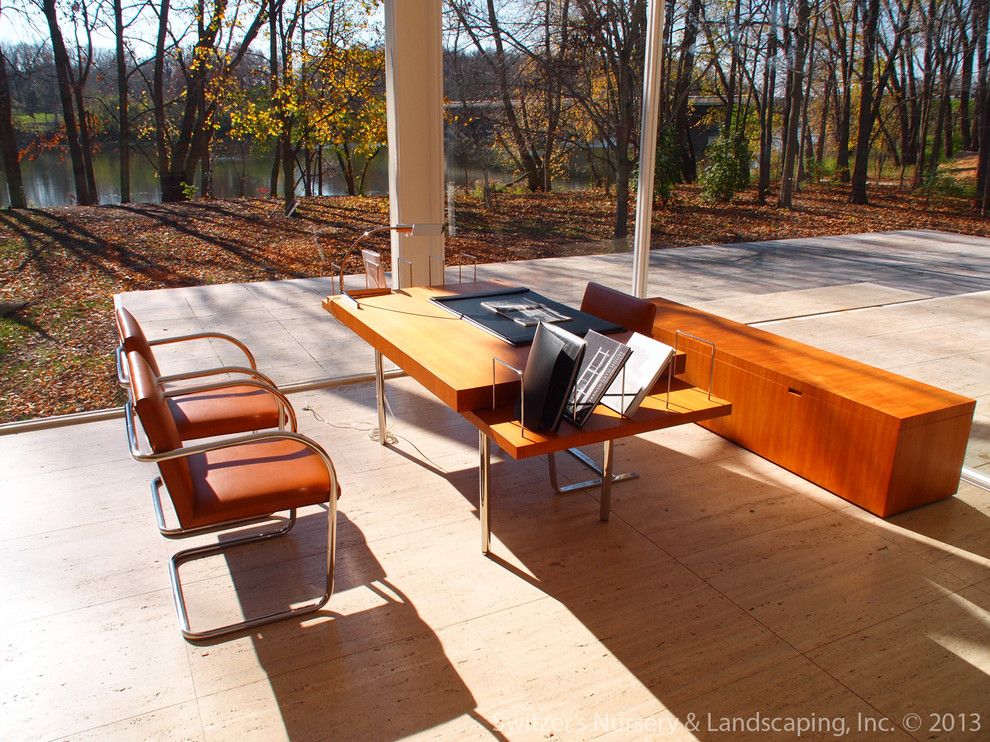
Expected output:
{"points": [[48, 178]]}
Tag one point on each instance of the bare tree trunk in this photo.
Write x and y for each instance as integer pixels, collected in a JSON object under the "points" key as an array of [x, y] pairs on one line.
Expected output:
{"points": [[682, 85], [844, 112], [983, 100], [966, 79], [866, 113], [8, 143], [86, 142], [123, 120], [766, 112], [927, 93], [63, 73], [823, 124], [158, 101], [796, 94]]}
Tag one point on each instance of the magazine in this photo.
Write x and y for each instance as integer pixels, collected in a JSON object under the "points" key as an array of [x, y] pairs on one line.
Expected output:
{"points": [[525, 313], [645, 366], [603, 359]]}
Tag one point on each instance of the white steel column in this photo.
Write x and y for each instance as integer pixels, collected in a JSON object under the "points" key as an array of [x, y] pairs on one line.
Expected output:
{"points": [[647, 145], [414, 105]]}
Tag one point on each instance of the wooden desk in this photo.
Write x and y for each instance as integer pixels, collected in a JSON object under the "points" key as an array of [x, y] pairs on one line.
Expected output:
{"points": [[453, 359]]}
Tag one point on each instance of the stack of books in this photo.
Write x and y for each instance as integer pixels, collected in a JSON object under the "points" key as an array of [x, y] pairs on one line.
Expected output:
{"points": [[568, 377]]}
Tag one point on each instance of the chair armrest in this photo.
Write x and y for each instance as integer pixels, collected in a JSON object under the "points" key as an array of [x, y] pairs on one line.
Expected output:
{"points": [[252, 372], [240, 440], [220, 385], [123, 377], [206, 336]]}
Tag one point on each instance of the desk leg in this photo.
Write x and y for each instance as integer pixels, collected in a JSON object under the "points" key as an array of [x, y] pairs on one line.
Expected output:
{"points": [[380, 396], [606, 502], [587, 484], [484, 489]]}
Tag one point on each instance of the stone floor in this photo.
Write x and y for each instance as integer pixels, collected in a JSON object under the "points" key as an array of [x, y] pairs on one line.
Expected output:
{"points": [[724, 591]]}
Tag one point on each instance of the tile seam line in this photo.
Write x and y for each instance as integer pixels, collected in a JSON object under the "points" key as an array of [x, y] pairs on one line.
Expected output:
{"points": [[70, 734], [832, 312], [431, 631]]}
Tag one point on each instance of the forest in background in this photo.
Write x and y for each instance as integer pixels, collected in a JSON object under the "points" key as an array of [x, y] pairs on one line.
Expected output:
{"points": [[855, 91]]}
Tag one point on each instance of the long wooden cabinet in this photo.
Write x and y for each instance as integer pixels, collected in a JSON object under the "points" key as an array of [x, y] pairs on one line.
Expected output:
{"points": [[877, 439]]}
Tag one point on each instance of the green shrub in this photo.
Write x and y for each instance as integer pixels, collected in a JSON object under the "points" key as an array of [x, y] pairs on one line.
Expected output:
{"points": [[725, 170], [942, 184], [668, 169], [189, 191]]}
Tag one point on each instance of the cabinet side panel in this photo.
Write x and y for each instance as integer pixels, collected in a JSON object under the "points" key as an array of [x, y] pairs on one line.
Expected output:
{"points": [[928, 463]]}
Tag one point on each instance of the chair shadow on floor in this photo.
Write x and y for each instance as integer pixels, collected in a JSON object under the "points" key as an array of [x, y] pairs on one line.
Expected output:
{"points": [[358, 669]]}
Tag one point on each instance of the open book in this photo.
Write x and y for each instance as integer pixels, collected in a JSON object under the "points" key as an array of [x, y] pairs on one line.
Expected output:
{"points": [[525, 313], [645, 366], [603, 359]]}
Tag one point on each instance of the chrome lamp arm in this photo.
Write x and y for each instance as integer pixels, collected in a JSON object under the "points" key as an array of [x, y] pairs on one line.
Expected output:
{"points": [[403, 229]]}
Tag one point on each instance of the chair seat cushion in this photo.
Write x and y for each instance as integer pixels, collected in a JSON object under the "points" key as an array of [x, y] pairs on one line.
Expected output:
{"points": [[255, 479], [234, 409]]}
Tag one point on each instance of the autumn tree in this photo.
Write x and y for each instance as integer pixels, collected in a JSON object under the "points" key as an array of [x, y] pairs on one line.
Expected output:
{"points": [[8, 141]]}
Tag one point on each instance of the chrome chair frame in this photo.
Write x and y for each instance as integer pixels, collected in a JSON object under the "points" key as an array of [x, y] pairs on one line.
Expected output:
{"points": [[199, 552], [251, 369]]}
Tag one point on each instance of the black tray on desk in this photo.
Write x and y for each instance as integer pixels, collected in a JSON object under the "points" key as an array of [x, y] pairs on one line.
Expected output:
{"points": [[468, 307]]}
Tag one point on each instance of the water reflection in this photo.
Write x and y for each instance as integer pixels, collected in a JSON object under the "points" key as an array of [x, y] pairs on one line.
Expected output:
{"points": [[48, 178]]}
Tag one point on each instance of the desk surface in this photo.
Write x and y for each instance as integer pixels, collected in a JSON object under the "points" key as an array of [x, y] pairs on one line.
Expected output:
{"points": [[453, 359], [450, 357]]}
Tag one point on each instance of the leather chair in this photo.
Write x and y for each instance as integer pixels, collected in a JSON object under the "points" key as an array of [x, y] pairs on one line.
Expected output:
{"points": [[220, 408], [226, 484], [632, 313], [132, 337]]}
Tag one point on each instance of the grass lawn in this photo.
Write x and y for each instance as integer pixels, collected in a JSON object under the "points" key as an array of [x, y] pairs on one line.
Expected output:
{"points": [[56, 353]]}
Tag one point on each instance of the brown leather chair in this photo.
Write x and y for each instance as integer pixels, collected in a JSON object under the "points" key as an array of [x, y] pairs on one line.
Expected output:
{"points": [[132, 337], [204, 411], [632, 313], [227, 483]]}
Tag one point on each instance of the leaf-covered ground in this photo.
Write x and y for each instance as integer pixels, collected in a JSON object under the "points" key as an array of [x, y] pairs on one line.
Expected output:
{"points": [[67, 263]]}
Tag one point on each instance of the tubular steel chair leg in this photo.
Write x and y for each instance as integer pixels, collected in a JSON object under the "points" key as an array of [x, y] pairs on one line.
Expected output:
{"points": [[203, 551]]}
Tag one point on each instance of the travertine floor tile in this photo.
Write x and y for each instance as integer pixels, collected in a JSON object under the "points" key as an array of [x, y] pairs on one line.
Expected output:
{"points": [[821, 579], [179, 723], [953, 534], [933, 660], [796, 697], [78, 567], [92, 666]]}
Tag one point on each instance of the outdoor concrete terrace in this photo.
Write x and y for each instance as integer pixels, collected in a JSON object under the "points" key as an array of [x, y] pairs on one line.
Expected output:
{"points": [[723, 585]]}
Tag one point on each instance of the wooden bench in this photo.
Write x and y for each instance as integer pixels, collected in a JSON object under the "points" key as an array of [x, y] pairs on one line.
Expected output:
{"points": [[882, 441]]}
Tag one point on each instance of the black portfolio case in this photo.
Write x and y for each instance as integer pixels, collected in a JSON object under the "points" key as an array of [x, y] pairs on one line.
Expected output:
{"points": [[550, 373]]}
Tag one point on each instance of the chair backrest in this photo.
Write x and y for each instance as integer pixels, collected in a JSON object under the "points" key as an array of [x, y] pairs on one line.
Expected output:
{"points": [[162, 434], [632, 313], [134, 339]]}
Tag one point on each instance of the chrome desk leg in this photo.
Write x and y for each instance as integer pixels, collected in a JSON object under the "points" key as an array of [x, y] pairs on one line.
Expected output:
{"points": [[484, 490], [606, 499], [587, 484], [382, 432]]}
